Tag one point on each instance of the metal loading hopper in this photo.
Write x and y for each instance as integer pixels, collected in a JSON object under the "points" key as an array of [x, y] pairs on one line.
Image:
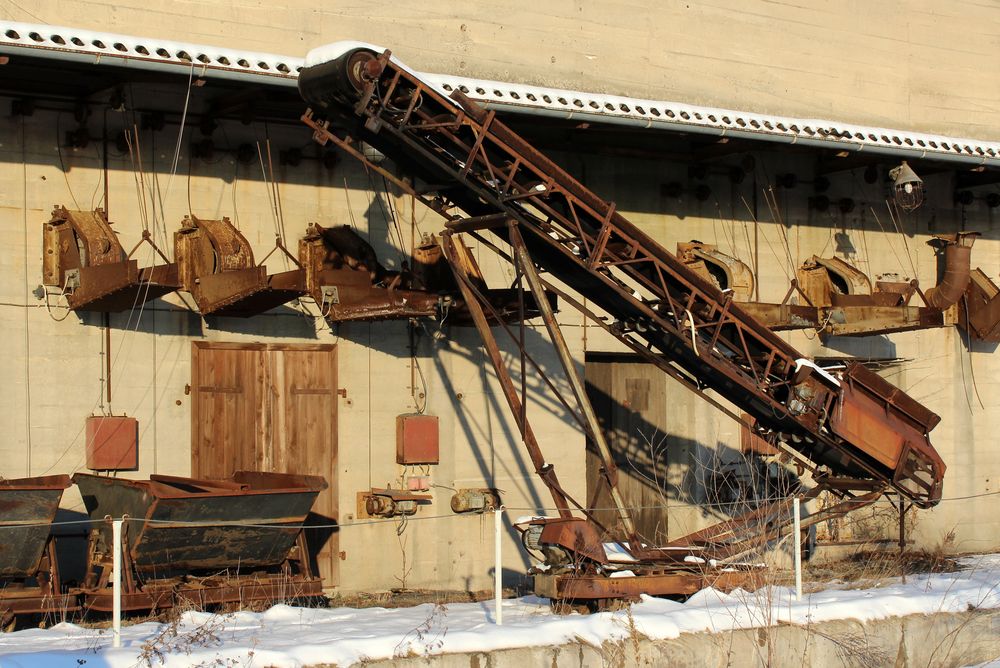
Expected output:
{"points": [[348, 283], [216, 265], [83, 258], [204, 541], [29, 573]]}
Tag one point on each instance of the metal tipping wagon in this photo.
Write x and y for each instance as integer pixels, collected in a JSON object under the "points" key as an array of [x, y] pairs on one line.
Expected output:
{"points": [[200, 542], [29, 571]]}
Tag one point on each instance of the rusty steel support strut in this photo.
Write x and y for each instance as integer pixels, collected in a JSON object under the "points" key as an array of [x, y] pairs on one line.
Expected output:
{"points": [[544, 470], [609, 469]]}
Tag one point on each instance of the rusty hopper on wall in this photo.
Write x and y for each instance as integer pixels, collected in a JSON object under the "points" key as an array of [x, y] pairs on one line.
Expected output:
{"points": [[29, 571], [84, 259], [202, 541], [347, 281], [216, 266], [835, 298]]}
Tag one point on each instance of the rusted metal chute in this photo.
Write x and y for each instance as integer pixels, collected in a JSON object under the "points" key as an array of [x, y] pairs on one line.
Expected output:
{"points": [[728, 273], [836, 298], [344, 277], [29, 570], [979, 314], [833, 297], [84, 259], [216, 265], [348, 282]]}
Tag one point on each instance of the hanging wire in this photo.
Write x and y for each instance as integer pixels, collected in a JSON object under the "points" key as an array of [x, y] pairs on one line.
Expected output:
{"points": [[780, 262]]}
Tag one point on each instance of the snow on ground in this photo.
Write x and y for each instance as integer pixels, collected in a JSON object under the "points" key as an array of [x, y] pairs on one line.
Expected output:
{"points": [[287, 636]]}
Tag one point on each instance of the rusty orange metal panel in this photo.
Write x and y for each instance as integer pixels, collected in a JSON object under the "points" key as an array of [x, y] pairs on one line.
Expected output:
{"points": [[863, 422], [417, 439], [112, 443]]}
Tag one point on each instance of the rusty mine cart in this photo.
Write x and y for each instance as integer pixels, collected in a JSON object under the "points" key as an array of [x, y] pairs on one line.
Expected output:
{"points": [[201, 542], [29, 570]]}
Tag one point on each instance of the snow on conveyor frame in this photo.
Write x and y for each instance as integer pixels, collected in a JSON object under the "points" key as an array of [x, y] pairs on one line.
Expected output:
{"points": [[207, 61]]}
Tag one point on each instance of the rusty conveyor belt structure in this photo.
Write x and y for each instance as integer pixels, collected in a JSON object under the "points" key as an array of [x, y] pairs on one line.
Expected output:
{"points": [[857, 434]]}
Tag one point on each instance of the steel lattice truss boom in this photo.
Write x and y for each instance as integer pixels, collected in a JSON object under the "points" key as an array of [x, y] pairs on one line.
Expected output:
{"points": [[857, 433]]}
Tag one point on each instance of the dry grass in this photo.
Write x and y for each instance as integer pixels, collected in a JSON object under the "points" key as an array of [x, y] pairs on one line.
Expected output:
{"points": [[401, 598], [870, 565]]}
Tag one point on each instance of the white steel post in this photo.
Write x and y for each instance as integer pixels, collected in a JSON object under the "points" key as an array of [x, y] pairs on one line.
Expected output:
{"points": [[116, 583], [797, 537], [498, 563]]}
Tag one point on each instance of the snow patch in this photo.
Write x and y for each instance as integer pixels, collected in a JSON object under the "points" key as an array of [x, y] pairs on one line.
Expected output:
{"points": [[290, 637]]}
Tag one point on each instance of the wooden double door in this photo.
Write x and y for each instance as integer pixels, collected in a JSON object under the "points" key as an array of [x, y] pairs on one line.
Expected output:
{"points": [[270, 407]]}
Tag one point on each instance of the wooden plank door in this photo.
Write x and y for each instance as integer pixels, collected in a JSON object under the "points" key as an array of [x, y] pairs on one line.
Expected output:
{"points": [[630, 401], [304, 438], [224, 409], [270, 407]]}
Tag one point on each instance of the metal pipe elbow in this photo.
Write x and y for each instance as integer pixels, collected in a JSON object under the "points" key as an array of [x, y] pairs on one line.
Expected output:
{"points": [[957, 270]]}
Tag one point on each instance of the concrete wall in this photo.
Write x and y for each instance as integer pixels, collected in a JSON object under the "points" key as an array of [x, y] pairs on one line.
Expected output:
{"points": [[916, 64], [943, 640], [53, 363]]}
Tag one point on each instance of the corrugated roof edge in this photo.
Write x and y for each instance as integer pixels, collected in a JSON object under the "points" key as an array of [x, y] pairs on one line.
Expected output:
{"points": [[164, 55]]}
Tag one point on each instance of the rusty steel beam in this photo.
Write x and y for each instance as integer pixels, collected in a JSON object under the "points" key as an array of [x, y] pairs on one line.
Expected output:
{"points": [[544, 470], [676, 583], [609, 469]]}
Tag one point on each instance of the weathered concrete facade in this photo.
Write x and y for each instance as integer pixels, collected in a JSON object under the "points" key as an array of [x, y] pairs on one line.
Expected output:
{"points": [[918, 64], [897, 66]]}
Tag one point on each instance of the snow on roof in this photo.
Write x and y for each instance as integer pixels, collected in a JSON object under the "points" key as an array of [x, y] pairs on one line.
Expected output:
{"points": [[98, 47], [60, 41]]}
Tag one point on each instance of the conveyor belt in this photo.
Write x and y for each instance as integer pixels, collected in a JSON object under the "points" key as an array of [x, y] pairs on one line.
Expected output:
{"points": [[860, 432]]}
